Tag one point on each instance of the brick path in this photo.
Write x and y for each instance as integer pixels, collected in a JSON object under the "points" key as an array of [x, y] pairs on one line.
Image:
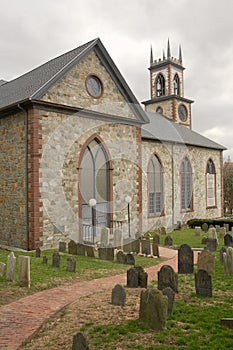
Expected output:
{"points": [[19, 320]]}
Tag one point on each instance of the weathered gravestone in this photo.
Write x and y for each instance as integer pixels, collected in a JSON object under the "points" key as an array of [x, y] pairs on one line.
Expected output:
{"points": [[121, 257], [81, 249], [168, 241], [118, 295], [228, 261], [80, 342], [153, 309], [62, 247], [127, 245], [226, 227], [142, 276], [38, 252], [205, 227], [228, 240], [24, 271], [72, 247], [222, 232], [205, 261], [197, 230], [167, 278], [222, 250], [213, 233], [71, 264], [217, 228], [156, 238], [110, 253], [163, 230], [129, 259], [117, 236], [136, 246], [56, 259], [132, 278], [102, 252], [90, 251], [146, 246], [185, 259], [203, 283], [10, 271], [155, 249], [104, 236], [204, 240], [211, 244], [2, 269], [170, 294], [45, 260]]}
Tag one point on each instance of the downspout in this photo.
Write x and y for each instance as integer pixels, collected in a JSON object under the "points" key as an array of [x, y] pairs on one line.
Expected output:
{"points": [[26, 173]]}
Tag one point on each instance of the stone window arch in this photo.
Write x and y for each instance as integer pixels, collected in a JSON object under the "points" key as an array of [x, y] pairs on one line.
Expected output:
{"points": [[160, 85], [176, 84]]}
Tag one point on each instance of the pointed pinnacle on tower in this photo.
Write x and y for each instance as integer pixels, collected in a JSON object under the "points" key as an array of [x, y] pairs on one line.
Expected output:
{"points": [[168, 49], [164, 55], [180, 54], [151, 55]]}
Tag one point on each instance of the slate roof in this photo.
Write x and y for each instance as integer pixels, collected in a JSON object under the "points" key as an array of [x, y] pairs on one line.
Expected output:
{"points": [[162, 129]]}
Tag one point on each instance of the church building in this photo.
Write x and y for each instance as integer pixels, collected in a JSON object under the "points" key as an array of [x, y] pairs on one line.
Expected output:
{"points": [[78, 152]]}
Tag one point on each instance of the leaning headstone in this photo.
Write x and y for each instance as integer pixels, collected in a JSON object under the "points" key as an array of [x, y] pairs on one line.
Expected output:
{"points": [[132, 278], [168, 241], [167, 278], [90, 251], [80, 342], [45, 259], [197, 230], [156, 238], [10, 270], [153, 309], [121, 257], [118, 295], [56, 259], [38, 251], [104, 236], [72, 247], [155, 249], [222, 232], [2, 269], [170, 294], [62, 247], [129, 259], [24, 271], [222, 250], [211, 244], [228, 240], [203, 283], [205, 261], [146, 246], [205, 227], [228, 261], [117, 236], [185, 259], [81, 249], [71, 264]]}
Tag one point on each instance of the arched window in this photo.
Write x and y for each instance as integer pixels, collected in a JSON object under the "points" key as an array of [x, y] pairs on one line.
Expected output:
{"points": [[210, 184], [155, 186], [186, 185], [160, 85], [94, 184], [176, 84]]}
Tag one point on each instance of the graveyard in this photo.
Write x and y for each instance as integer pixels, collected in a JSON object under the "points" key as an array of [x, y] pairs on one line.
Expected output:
{"points": [[194, 320]]}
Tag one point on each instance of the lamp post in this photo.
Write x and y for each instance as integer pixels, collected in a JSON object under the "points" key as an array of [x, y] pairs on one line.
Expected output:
{"points": [[128, 199], [92, 204]]}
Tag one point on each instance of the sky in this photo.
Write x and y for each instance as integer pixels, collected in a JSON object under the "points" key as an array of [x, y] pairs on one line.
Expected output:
{"points": [[33, 32]]}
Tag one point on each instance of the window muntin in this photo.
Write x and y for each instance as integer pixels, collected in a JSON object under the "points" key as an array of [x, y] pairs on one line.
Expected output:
{"points": [[186, 185], [210, 184], [155, 186]]}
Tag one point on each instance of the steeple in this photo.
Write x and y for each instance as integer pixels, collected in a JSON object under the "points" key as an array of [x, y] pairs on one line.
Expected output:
{"points": [[168, 49], [151, 55], [180, 54]]}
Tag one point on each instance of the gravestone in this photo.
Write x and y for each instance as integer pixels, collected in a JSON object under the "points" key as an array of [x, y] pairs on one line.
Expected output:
{"points": [[167, 278], [228, 240], [205, 261], [10, 270], [205, 227], [142, 276], [45, 260], [104, 236], [121, 257], [228, 261], [228, 322], [213, 233], [168, 241], [117, 236], [2, 269], [156, 238], [127, 245], [163, 230], [222, 232], [170, 294], [62, 247], [38, 252], [146, 246], [185, 259], [211, 244], [71, 264], [72, 247], [222, 250], [90, 251], [56, 259], [197, 230], [129, 259], [80, 342], [110, 253], [118, 295], [136, 246], [226, 227], [24, 271], [155, 249], [204, 240], [217, 228], [153, 309], [203, 283], [81, 249], [102, 252], [132, 278]]}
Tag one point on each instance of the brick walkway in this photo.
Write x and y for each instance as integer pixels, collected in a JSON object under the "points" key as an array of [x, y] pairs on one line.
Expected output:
{"points": [[19, 320]]}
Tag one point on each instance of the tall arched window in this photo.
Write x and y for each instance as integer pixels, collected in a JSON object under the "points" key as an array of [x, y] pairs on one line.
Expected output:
{"points": [[155, 186], [176, 84], [186, 185], [210, 184], [94, 183], [160, 85]]}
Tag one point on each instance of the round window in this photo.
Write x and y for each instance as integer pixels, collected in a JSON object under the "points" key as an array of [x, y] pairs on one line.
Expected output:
{"points": [[94, 86]]}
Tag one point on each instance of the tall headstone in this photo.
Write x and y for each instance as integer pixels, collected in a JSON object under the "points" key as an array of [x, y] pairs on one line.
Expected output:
{"points": [[71, 264], [155, 249], [10, 271], [62, 247], [56, 259], [203, 283], [80, 342], [146, 246], [167, 278], [156, 238], [228, 240], [104, 236], [24, 271], [213, 233], [170, 294], [72, 247], [132, 278], [118, 295], [185, 259], [2, 269], [228, 261], [117, 236], [205, 261], [153, 309]]}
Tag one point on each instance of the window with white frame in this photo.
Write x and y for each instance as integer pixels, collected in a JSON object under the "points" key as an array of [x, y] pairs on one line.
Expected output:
{"points": [[186, 185], [155, 186], [210, 184]]}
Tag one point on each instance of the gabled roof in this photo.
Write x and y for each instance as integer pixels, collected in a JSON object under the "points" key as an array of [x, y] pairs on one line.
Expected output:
{"points": [[163, 129], [34, 84]]}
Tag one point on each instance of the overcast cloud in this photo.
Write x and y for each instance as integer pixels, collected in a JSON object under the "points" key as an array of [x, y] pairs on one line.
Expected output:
{"points": [[33, 32]]}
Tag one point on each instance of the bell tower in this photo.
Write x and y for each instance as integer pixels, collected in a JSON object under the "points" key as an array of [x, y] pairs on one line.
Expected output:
{"points": [[167, 88]]}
